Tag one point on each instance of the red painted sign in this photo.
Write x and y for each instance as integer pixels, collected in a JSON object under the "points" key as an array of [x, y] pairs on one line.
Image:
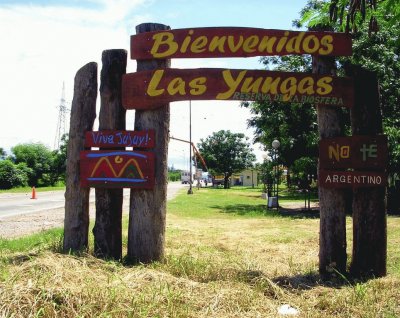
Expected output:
{"points": [[120, 139], [351, 179], [354, 152], [117, 169], [236, 42], [150, 89]]}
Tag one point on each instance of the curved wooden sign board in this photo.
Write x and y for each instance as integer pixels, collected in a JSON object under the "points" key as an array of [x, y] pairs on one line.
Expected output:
{"points": [[149, 89], [236, 42]]}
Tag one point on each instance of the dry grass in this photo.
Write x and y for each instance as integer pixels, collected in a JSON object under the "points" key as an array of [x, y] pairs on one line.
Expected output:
{"points": [[219, 266]]}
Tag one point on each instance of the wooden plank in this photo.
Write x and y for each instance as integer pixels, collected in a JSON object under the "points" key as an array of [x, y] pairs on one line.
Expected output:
{"points": [[117, 169], [120, 138], [359, 152], [236, 42], [147, 89], [351, 179]]}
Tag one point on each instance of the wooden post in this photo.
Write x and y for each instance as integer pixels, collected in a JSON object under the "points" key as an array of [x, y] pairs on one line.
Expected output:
{"points": [[369, 210], [107, 230], [83, 114], [332, 236], [146, 237]]}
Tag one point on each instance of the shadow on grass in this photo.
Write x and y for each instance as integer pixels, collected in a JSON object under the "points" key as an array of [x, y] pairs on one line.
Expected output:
{"points": [[245, 209], [291, 283], [261, 209]]}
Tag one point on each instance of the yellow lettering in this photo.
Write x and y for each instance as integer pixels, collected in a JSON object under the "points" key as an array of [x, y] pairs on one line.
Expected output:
{"points": [[270, 85], [324, 86], [249, 85], [306, 86], [267, 44], [186, 42], [293, 45], [288, 88], [166, 41], [199, 44], [231, 43], [332, 152], [232, 83], [217, 43], [345, 151], [155, 80], [250, 44], [198, 86], [282, 42], [307, 42], [326, 45], [177, 85]]}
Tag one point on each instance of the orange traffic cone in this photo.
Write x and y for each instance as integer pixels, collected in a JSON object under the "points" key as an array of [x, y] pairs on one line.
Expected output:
{"points": [[33, 193]]}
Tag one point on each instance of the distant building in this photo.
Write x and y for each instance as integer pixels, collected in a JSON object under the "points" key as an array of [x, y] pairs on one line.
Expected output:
{"points": [[246, 178]]}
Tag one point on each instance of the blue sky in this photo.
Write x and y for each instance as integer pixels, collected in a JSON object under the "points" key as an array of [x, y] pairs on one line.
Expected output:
{"points": [[44, 43]]}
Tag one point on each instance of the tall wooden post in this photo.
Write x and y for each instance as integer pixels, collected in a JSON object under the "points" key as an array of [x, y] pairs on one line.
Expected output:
{"points": [[107, 230], [369, 208], [83, 114], [332, 236], [147, 214]]}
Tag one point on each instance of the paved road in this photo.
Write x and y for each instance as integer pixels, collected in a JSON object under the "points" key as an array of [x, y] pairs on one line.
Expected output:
{"points": [[21, 203]]}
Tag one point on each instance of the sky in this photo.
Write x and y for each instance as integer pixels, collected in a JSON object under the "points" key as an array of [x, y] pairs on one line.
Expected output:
{"points": [[45, 42]]}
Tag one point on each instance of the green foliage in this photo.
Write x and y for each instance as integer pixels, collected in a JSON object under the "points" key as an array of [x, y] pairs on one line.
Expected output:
{"points": [[11, 175], [174, 175], [40, 165], [3, 154], [226, 153], [37, 157]]}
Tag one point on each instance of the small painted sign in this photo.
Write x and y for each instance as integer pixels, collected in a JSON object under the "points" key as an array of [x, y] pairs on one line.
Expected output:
{"points": [[150, 89], [354, 152], [117, 169], [236, 42], [120, 139], [351, 179]]}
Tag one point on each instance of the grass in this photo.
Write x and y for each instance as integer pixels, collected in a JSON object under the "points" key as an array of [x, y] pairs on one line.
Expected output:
{"points": [[226, 256]]}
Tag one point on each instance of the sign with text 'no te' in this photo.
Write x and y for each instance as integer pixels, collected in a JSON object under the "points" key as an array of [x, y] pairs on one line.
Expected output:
{"points": [[368, 152], [150, 89], [120, 139], [236, 42], [117, 169], [351, 179]]}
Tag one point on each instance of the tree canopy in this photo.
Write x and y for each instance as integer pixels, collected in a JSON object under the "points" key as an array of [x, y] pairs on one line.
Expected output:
{"points": [[226, 153], [375, 51]]}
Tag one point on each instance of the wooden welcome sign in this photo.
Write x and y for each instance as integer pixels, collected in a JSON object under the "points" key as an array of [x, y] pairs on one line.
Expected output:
{"points": [[236, 42], [149, 89], [117, 169]]}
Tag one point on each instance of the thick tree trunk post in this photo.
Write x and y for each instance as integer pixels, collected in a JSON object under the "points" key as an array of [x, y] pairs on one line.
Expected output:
{"points": [[369, 210], [83, 114], [332, 236], [107, 230], [146, 237]]}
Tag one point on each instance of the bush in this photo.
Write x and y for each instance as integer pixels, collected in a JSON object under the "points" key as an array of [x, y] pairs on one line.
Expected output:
{"points": [[11, 176]]}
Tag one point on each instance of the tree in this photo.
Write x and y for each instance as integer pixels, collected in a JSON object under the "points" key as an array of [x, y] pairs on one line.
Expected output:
{"points": [[59, 166], [226, 153], [11, 176], [3, 154], [37, 157]]}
